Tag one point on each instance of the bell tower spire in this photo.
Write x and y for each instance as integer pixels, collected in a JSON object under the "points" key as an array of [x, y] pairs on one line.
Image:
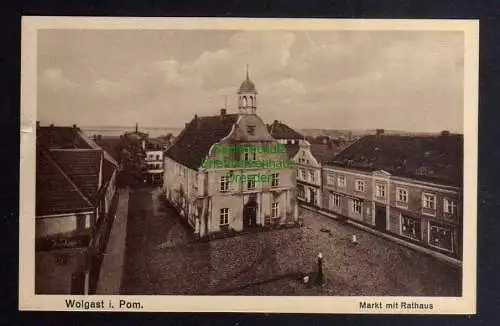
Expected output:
{"points": [[247, 96]]}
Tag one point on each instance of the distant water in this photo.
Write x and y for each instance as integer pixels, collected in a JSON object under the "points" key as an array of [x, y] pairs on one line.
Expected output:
{"points": [[116, 131]]}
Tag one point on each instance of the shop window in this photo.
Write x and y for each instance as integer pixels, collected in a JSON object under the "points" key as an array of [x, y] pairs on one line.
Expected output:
{"points": [[411, 227], [440, 236]]}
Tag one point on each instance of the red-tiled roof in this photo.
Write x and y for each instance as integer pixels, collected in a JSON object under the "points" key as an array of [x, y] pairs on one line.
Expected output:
{"points": [[82, 166], [195, 140], [60, 137], [110, 145], [428, 158], [56, 193], [279, 130], [324, 152], [69, 166]]}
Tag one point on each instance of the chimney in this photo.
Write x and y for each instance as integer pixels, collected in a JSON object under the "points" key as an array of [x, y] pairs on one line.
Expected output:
{"points": [[223, 112], [275, 122], [380, 132], [37, 124], [445, 133], [195, 120], [52, 125], [74, 126]]}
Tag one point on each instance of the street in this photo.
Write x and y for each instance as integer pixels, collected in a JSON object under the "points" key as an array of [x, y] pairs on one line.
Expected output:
{"points": [[161, 259]]}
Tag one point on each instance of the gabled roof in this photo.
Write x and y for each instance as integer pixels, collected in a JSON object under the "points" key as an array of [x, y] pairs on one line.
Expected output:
{"points": [[56, 193], [82, 167], [195, 140], [279, 130], [60, 137], [110, 146], [69, 169], [436, 159], [324, 152]]}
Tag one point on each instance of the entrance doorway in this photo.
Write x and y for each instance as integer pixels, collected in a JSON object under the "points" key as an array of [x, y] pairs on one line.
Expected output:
{"points": [[380, 218], [312, 199], [250, 215]]}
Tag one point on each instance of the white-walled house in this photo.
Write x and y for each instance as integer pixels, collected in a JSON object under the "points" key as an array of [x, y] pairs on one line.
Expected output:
{"points": [[216, 198], [154, 161]]}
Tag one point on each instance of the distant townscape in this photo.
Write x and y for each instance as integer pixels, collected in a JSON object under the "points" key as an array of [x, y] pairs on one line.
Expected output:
{"points": [[135, 210]]}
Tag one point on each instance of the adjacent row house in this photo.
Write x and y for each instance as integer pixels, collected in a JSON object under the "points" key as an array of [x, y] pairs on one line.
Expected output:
{"points": [[408, 186], [75, 205]]}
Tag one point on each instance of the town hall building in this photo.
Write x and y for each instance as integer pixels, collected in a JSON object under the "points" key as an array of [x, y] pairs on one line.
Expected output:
{"points": [[220, 198]]}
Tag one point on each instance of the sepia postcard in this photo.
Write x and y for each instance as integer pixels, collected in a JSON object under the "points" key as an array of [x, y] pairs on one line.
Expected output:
{"points": [[248, 165]]}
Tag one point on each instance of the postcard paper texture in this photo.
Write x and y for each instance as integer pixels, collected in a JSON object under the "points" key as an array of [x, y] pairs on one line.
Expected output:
{"points": [[248, 165]]}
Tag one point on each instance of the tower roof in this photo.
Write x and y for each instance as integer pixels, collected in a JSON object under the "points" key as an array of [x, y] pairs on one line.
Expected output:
{"points": [[247, 85]]}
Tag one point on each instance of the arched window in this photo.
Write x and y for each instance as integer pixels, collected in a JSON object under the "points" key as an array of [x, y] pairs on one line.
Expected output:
{"points": [[244, 101], [251, 101]]}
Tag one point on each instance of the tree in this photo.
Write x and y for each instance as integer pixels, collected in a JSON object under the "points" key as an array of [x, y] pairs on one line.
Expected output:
{"points": [[132, 159]]}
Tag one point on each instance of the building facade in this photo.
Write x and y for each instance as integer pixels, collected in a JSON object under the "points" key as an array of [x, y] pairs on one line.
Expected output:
{"points": [[154, 161], [308, 176], [215, 195], [409, 187]]}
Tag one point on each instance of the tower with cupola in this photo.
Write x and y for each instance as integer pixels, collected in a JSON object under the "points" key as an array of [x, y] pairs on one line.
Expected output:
{"points": [[247, 96]]}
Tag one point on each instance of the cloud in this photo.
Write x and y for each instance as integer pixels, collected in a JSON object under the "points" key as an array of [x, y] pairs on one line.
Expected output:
{"points": [[55, 80], [108, 88], [265, 52], [338, 79]]}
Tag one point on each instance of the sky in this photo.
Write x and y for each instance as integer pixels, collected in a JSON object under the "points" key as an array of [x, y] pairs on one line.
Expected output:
{"points": [[395, 80]]}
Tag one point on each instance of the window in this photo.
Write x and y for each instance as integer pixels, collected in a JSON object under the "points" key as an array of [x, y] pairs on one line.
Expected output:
{"points": [[429, 201], [357, 207], [224, 183], [157, 157], [251, 182], [311, 176], [440, 236], [251, 129], [303, 174], [275, 210], [300, 191], [402, 195], [341, 181], [449, 206], [224, 216], [250, 156], [410, 227], [334, 200], [380, 190], [360, 185], [275, 180], [330, 178]]}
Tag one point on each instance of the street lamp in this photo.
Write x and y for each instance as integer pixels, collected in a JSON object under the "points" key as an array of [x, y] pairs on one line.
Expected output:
{"points": [[319, 277]]}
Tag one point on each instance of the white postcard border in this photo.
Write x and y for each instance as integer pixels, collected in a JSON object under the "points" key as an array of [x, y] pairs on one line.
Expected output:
{"points": [[246, 304]]}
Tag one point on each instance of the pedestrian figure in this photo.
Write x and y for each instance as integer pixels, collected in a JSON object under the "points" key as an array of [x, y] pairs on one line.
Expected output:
{"points": [[319, 276]]}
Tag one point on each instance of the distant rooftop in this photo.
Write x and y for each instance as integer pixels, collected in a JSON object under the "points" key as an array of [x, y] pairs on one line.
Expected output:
{"points": [[427, 158]]}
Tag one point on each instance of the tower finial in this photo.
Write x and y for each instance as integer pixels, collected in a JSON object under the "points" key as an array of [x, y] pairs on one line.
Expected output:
{"points": [[225, 101], [136, 127], [247, 73]]}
